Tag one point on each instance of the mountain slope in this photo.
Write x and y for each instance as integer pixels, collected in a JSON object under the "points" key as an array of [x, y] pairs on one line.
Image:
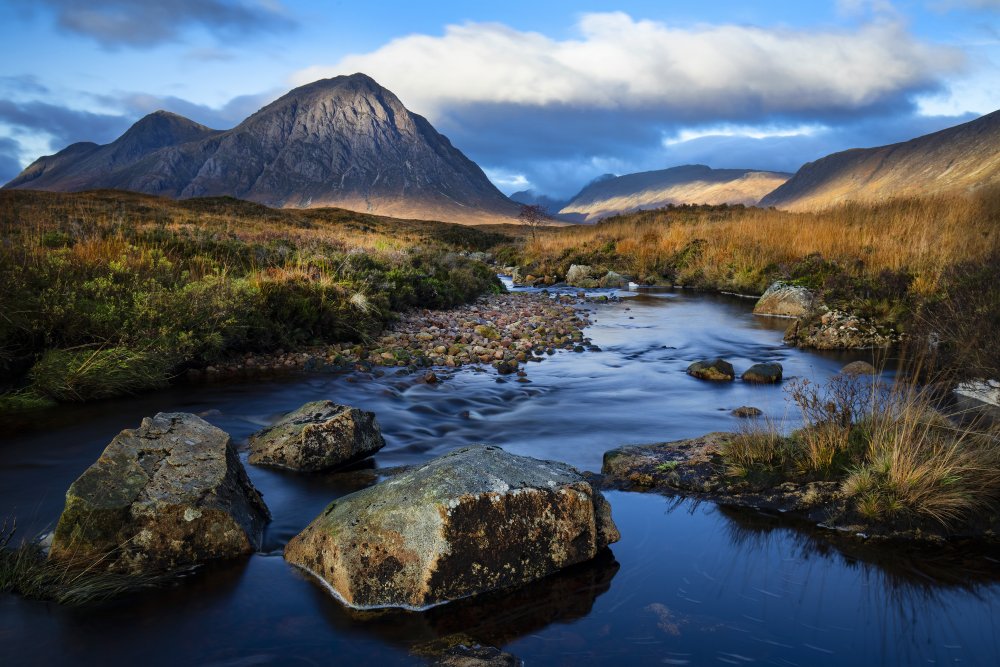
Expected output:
{"points": [[957, 159], [688, 184], [343, 142]]}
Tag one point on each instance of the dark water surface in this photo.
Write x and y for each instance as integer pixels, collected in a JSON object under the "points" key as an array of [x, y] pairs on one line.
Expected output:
{"points": [[689, 583]]}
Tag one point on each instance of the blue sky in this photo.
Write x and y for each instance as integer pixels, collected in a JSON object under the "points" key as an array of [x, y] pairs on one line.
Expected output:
{"points": [[541, 95]]}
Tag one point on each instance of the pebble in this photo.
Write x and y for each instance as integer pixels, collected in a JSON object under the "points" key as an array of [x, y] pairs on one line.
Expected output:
{"points": [[502, 330]]}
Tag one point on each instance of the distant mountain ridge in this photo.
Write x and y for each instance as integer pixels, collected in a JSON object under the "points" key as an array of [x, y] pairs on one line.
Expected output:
{"points": [[344, 142], [955, 160], [687, 184]]}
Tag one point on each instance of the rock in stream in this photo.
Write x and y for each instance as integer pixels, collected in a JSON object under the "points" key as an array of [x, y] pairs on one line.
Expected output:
{"points": [[474, 520], [168, 494]]}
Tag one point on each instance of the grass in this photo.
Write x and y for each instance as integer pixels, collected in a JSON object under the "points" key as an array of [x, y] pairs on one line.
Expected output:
{"points": [[111, 293], [895, 455], [25, 570]]}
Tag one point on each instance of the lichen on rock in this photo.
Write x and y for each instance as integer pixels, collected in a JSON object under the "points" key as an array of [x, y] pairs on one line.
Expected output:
{"points": [[317, 436], [168, 494], [474, 520]]}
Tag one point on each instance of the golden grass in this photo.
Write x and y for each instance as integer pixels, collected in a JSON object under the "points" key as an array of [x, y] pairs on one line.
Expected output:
{"points": [[922, 236]]}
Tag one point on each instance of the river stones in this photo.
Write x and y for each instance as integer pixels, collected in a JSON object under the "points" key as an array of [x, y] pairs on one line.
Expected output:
{"points": [[473, 520], [170, 493], [317, 436], [718, 370], [858, 368], [767, 373], [784, 300]]}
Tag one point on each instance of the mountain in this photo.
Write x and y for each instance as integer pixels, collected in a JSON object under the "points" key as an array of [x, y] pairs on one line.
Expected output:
{"points": [[957, 159], [344, 142], [532, 198], [689, 184]]}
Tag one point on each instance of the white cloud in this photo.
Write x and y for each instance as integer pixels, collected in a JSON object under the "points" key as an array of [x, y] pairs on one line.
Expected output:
{"points": [[746, 131], [709, 72]]}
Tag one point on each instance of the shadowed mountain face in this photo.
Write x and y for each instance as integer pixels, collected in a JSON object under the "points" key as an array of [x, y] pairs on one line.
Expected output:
{"points": [[343, 142], [689, 184], [954, 160]]}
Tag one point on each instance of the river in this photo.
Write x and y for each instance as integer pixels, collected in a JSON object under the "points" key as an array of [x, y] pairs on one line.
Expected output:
{"points": [[689, 583]]}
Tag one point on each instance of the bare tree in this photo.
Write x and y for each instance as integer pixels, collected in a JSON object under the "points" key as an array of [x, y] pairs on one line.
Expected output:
{"points": [[532, 215]]}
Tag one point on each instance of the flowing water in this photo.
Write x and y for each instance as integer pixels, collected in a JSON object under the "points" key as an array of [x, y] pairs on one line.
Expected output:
{"points": [[689, 583]]}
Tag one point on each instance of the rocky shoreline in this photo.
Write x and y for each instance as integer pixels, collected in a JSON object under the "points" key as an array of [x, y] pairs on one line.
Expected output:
{"points": [[505, 331]]}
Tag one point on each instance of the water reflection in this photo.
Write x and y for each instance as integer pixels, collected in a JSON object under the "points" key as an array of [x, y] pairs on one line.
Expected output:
{"points": [[495, 618]]}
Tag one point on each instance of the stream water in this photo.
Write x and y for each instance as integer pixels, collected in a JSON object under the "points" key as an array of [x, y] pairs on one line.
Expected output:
{"points": [[689, 583]]}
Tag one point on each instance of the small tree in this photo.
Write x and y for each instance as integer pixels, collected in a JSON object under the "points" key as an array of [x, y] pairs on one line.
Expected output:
{"points": [[532, 215]]}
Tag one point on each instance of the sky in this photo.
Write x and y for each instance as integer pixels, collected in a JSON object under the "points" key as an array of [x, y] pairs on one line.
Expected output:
{"points": [[542, 95]]}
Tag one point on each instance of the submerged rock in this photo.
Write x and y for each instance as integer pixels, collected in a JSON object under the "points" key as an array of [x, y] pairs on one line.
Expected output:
{"points": [[474, 520], [477, 656], [716, 369], [170, 493], [317, 436], [769, 373], [784, 300]]}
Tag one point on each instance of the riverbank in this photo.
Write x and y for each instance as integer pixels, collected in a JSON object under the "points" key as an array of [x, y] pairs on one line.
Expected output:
{"points": [[505, 331], [110, 293]]}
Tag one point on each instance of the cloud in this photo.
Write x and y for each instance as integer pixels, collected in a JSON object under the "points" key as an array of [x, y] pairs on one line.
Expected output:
{"points": [[117, 23], [62, 124], [557, 112], [221, 118], [10, 165], [709, 72]]}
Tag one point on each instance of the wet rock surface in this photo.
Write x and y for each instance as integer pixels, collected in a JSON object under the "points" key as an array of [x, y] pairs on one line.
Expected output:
{"points": [[769, 373], [784, 300], [747, 412], [717, 370], [318, 436], [474, 520], [168, 494]]}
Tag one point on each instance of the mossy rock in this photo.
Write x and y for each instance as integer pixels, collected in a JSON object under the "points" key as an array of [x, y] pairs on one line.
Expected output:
{"points": [[168, 494], [716, 370]]}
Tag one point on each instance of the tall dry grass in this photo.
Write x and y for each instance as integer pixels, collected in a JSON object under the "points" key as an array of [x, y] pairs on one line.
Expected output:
{"points": [[740, 245]]}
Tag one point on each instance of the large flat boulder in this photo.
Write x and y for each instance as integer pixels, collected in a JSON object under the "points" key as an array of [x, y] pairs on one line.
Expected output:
{"points": [[784, 300], [716, 370], [471, 521], [317, 436], [168, 494]]}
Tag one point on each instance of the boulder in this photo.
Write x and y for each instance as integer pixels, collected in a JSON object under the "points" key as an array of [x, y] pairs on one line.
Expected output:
{"points": [[784, 300], [613, 279], [473, 520], [317, 436], [769, 373], [580, 275], [747, 411], [837, 330], [168, 494], [858, 368], [716, 369]]}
